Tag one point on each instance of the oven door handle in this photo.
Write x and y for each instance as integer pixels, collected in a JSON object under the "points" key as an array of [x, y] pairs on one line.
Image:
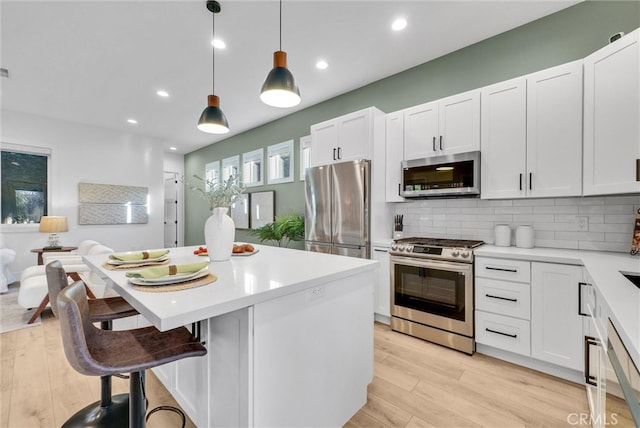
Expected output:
{"points": [[461, 267]]}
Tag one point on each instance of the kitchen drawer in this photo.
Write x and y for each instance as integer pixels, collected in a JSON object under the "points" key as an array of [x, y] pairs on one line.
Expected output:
{"points": [[511, 299], [510, 270], [510, 334]]}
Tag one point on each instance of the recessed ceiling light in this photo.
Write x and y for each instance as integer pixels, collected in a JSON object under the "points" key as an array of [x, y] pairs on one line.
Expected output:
{"points": [[218, 43], [162, 93], [399, 24], [322, 64], [132, 121], [172, 148]]}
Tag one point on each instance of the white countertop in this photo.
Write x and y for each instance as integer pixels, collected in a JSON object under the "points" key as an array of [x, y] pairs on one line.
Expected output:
{"points": [[622, 297], [242, 281]]}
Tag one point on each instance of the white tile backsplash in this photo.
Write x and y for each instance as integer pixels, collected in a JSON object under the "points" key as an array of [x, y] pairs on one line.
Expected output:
{"points": [[555, 220]]}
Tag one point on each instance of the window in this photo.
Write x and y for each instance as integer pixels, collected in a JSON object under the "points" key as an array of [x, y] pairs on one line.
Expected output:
{"points": [[281, 162], [305, 154], [230, 166], [252, 168], [25, 183], [211, 174]]}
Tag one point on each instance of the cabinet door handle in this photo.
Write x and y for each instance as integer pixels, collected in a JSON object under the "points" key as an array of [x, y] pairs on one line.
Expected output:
{"points": [[441, 142], [520, 181], [580, 312], [501, 269], [637, 169], [334, 153], [380, 251], [530, 175], [588, 343], [491, 296], [434, 143], [339, 154], [501, 333]]}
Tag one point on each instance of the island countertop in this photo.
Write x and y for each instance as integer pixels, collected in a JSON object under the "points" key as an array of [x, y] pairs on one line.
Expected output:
{"points": [[241, 282]]}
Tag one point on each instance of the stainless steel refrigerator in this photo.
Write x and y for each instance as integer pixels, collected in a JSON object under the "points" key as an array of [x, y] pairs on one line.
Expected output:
{"points": [[337, 209]]}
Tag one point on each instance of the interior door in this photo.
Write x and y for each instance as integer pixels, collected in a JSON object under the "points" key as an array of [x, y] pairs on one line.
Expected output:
{"points": [[170, 209]]}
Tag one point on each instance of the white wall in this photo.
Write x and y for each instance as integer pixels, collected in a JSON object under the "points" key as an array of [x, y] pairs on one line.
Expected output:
{"points": [[610, 220], [82, 153]]}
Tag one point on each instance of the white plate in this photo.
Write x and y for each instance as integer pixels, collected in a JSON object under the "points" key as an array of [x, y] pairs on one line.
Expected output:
{"points": [[246, 253], [171, 279], [133, 262]]}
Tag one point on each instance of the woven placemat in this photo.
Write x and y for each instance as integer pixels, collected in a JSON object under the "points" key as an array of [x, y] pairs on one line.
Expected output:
{"points": [[109, 266], [156, 288]]}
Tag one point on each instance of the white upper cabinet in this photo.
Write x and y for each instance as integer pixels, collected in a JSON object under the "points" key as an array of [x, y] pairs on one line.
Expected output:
{"points": [[459, 123], [611, 112], [394, 152], [503, 139], [447, 126], [531, 140], [554, 131], [420, 131], [344, 138]]}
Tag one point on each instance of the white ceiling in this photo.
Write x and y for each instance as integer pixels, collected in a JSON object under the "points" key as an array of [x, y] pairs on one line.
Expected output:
{"points": [[101, 62]]}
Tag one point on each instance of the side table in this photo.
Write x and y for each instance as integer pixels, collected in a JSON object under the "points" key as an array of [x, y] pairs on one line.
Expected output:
{"points": [[39, 251]]}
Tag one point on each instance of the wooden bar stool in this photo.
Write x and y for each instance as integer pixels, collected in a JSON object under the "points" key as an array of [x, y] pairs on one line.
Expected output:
{"points": [[110, 411], [95, 352]]}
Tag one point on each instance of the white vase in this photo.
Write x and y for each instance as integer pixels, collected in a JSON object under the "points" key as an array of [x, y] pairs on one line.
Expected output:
{"points": [[219, 234]]}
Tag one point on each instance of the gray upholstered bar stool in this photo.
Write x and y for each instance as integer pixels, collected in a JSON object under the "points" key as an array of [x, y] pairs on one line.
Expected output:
{"points": [[110, 411], [95, 352]]}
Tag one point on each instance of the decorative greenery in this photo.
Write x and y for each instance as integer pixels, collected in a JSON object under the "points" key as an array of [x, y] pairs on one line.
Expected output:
{"points": [[219, 194], [286, 228]]}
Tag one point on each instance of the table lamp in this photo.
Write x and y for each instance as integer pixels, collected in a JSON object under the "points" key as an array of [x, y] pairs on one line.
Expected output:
{"points": [[53, 225]]}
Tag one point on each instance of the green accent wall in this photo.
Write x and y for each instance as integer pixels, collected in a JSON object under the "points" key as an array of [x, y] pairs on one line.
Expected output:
{"points": [[568, 35]]}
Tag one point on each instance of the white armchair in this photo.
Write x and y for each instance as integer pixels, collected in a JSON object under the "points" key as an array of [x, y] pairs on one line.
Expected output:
{"points": [[33, 291], [7, 256]]}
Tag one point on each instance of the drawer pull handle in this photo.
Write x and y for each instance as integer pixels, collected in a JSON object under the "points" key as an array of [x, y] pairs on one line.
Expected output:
{"points": [[501, 298], [501, 269], [380, 251], [503, 334]]}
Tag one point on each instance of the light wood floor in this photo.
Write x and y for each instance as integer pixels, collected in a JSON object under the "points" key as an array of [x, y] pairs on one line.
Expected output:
{"points": [[419, 384], [416, 384]]}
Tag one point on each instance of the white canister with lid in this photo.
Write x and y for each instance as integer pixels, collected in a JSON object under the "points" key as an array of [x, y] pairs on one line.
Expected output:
{"points": [[502, 235], [524, 236]]}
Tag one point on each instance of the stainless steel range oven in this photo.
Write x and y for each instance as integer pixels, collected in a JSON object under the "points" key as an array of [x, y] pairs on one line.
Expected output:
{"points": [[432, 290]]}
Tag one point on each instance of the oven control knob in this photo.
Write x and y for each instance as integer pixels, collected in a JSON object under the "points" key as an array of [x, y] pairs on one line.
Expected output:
{"points": [[455, 253], [465, 254]]}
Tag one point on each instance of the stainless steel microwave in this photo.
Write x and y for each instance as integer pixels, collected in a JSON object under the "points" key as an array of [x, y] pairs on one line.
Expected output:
{"points": [[450, 175]]}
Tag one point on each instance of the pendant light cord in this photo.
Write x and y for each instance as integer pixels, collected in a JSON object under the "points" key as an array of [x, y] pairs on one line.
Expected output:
{"points": [[280, 24], [213, 53]]}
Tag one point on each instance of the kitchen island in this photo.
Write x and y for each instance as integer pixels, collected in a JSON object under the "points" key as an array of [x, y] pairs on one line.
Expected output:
{"points": [[289, 335]]}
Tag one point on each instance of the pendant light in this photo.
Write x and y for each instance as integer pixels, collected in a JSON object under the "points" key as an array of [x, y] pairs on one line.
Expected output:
{"points": [[279, 88], [213, 119]]}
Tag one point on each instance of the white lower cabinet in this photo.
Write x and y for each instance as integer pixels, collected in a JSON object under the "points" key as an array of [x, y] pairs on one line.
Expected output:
{"points": [[508, 333], [503, 304], [556, 325], [383, 290], [187, 382], [530, 309]]}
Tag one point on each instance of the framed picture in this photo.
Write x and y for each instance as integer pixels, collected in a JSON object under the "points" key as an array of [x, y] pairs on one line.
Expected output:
{"points": [[240, 212], [262, 208]]}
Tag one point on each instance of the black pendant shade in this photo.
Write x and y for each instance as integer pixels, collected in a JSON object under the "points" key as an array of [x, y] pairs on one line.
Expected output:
{"points": [[212, 119], [279, 88]]}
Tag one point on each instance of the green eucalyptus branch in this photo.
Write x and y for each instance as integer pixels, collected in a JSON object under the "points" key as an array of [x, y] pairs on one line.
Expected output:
{"points": [[219, 194]]}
